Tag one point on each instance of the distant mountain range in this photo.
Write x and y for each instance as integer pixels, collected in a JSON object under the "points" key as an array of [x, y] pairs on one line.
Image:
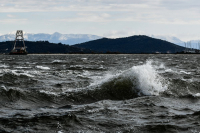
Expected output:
{"points": [[171, 39], [177, 41], [130, 45], [53, 38], [133, 44], [72, 39]]}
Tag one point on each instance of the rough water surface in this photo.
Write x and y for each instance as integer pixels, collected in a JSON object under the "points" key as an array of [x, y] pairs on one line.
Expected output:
{"points": [[100, 93]]}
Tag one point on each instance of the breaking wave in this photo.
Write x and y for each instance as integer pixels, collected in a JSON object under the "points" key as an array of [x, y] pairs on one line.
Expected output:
{"points": [[15, 73], [140, 80], [137, 81]]}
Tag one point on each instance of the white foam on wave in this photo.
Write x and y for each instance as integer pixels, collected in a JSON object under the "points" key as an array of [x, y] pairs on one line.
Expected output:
{"points": [[185, 72], [161, 66], [3, 66], [197, 95], [149, 81], [169, 70], [145, 77], [31, 63], [158, 66], [48, 92], [177, 72], [34, 72], [42, 67], [172, 71], [20, 67], [57, 61], [3, 87], [15, 72]]}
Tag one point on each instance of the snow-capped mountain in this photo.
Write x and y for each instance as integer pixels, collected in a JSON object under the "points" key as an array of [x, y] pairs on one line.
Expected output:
{"points": [[80, 38], [194, 43], [171, 39], [53, 38]]}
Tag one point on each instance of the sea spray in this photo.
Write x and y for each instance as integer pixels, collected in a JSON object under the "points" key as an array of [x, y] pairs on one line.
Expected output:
{"points": [[137, 81], [149, 82]]}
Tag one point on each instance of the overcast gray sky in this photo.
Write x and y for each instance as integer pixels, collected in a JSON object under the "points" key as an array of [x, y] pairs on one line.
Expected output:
{"points": [[109, 18]]}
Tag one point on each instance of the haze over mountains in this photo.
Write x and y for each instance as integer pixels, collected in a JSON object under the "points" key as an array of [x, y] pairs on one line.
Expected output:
{"points": [[176, 40], [171, 39], [53, 38]]}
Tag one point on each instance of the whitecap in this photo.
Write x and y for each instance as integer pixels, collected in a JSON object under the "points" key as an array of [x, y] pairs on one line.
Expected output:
{"points": [[26, 74], [172, 71], [3, 87], [185, 72], [19, 67], [197, 95], [149, 81], [169, 70], [57, 61], [42, 67], [16, 72], [31, 63], [34, 72], [161, 66], [48, 92], [3, 66]]}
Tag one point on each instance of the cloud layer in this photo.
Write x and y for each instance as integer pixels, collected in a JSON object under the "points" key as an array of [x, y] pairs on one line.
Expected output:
{"points": [[160, 12]]}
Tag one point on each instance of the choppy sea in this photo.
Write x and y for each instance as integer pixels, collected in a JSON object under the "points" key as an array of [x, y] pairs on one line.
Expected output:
{"points": [[100, 93]]}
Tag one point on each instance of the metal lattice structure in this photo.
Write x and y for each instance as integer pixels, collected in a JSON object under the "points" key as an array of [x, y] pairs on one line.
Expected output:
{"points": [[19, 37]]}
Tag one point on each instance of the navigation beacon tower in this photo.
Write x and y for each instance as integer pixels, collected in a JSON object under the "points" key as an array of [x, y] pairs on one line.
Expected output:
{"points": [[19, 45]]}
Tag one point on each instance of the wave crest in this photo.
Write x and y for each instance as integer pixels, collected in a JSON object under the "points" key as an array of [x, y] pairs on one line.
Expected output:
{"points": [[137, 81]]}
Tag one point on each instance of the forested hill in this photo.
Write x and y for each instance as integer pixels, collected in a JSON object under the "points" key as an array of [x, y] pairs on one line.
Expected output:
{"points": [[133, 44], [43, 47]]}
